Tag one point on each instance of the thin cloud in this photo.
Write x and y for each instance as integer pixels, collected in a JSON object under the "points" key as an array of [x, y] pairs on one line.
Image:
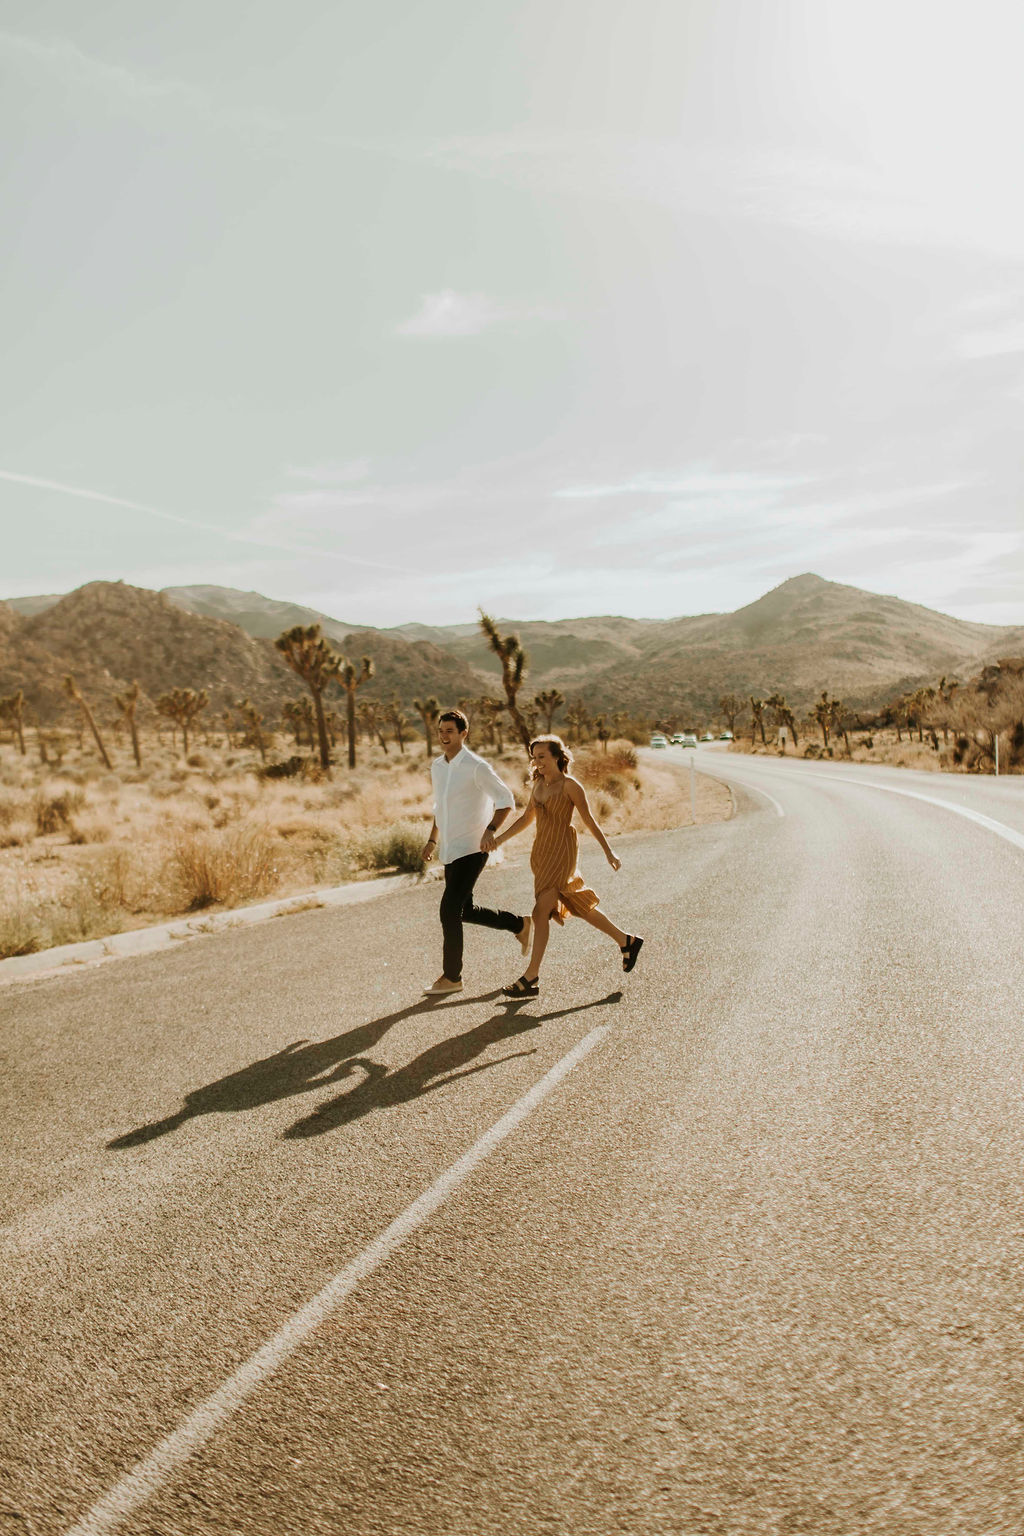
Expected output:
{"points": [[84, 494], [699, 483], [65, 61], [448, 313]]}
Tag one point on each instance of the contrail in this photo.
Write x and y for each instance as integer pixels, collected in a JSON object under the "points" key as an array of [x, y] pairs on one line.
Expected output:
{"points": [[84, 494]]}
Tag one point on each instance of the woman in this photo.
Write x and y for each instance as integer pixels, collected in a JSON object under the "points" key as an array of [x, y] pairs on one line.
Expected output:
{"points": [[558, 884]]}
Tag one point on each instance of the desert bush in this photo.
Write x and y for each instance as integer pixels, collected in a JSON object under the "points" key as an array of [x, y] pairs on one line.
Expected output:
{"points": [[83, 912], [222, 868], [54, 807], [22, 930], [398, 847], [17, 834], [90, 828]]}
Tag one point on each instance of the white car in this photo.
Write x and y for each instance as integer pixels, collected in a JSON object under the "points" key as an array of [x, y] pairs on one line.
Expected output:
{"points": [[688, 739], [677, 739], [726, 736], [657, 740], [707, 736]]}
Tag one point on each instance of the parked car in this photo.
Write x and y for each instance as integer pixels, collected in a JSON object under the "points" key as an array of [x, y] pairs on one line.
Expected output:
{"points": [[689, 739], [707, 736], [657, 740], [677, 739], [726, 736]]}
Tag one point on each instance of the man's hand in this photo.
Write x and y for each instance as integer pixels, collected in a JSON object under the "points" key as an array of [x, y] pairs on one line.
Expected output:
{"points": [[429, 849], [488, 842]]}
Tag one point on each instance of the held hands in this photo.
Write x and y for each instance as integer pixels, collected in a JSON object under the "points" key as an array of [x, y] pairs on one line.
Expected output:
{"points": [[488, 842]]}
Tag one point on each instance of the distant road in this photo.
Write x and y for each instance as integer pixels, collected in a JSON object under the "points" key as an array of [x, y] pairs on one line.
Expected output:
{"points": [[733, 1245]]}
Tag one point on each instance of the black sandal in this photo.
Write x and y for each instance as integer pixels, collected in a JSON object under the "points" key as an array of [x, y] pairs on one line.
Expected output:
{"points": [[524, 987], [630, 951]]}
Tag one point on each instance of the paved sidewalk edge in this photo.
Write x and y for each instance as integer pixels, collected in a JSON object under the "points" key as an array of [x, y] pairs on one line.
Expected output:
{"points": [[143, 941]]}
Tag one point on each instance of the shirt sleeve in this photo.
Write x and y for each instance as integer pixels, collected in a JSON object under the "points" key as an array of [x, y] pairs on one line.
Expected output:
{"points": [[496, 789]]}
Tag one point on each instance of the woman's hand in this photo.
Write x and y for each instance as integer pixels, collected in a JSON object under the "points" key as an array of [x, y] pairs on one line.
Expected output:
{"points": [[488, 842], [615, 863]]}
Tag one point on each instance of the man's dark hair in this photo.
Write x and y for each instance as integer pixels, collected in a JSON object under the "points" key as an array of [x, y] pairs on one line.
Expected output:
{"points": [[457, 718]]}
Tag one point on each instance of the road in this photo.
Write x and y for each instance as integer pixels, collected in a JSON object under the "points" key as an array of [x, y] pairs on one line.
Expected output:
{"points": [[746, 1257]]}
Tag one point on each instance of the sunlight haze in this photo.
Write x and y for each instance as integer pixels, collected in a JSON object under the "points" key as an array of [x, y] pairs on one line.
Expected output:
{"points": [[564, 308]]}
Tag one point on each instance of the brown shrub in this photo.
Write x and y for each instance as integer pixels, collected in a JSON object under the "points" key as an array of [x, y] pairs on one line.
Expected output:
{"points": [[222, 868], [54, 807]]}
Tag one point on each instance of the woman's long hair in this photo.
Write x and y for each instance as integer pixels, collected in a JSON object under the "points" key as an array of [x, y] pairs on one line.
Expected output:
{"points": [[559, 751]]}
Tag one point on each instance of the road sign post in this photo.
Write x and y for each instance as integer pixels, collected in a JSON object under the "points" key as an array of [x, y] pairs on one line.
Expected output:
{"points": [[693, 788]]}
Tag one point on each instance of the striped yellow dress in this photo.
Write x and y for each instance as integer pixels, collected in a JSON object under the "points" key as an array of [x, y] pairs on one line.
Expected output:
{"points": [[555, 855]]}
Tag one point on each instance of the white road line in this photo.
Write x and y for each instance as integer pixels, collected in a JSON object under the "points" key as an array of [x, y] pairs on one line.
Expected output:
{"points": [[151, 1473], [754, 788], [998, 827]]}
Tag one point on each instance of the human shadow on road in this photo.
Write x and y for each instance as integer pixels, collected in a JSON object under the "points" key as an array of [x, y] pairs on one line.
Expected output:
{"points": [[434, 1068], [297, 1068]]}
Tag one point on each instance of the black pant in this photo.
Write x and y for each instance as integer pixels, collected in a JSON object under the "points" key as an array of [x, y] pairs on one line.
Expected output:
{"points": [[457, 908]]}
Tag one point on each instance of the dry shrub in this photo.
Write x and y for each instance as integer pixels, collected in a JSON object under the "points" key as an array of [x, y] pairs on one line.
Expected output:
{"points": [[17, 834], [90, 828], [22, 930], [54, 806], [222, 868], [83, 912], [399, 847]]}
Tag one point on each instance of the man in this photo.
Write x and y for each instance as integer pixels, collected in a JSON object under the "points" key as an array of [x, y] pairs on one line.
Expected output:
{"points": [[469, 801]]}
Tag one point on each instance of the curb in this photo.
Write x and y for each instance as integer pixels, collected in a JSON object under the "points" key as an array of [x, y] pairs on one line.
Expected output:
{"points": [[67, 958]]}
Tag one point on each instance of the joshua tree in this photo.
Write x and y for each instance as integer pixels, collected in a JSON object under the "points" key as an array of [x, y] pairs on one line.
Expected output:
{"points": [[183, 706], [730, 707], [827, 711], [492, 711], [513, 671], [351, 677], [373, 720], [298, 717], [253, 720], [126, 703], [428, 711], [13, 708], [776, 702], [577, 718], [919, 703], [333, 721], [398, 721], [74, 692], [549, 703], [946, 689], [757, 720], [601, 731], [313, 659]]}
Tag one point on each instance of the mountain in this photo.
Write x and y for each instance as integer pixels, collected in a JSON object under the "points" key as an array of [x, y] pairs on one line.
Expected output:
{"points": [[109, 633], [803, 636], [264, 617]]}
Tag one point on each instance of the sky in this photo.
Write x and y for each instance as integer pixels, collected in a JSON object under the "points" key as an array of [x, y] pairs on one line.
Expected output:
{"points": [[555, 307]]}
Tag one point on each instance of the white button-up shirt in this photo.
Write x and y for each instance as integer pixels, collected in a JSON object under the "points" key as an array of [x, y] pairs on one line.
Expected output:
{"points": [[466, 793]]}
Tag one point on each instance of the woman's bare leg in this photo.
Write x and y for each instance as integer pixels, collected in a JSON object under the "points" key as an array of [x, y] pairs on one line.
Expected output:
{"points": [[545, 905], [597, 919]]}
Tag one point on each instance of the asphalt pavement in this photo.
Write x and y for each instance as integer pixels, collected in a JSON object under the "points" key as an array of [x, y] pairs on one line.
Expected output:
{"points": [[731, 1245]]}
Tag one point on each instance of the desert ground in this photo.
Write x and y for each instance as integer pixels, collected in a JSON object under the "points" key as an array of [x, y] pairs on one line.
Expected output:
{"points": [[85, 852]]}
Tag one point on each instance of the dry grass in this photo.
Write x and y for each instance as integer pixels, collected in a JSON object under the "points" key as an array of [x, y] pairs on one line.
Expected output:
{"points": [[867, 747], [85, 853]]}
